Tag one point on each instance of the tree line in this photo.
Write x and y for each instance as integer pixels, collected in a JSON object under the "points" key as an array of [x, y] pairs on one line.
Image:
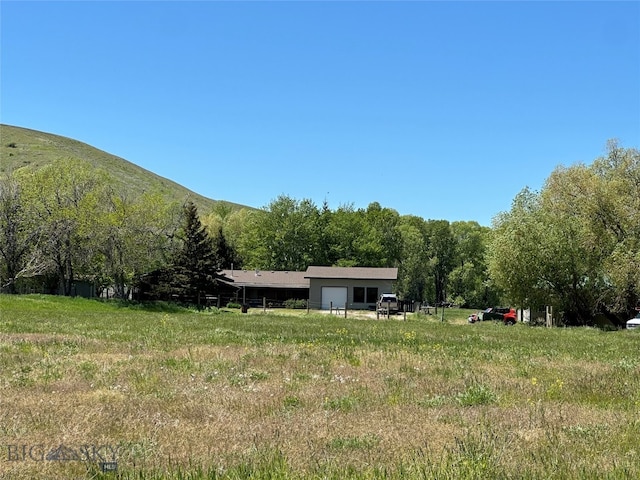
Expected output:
{"points": [[575, 244]]}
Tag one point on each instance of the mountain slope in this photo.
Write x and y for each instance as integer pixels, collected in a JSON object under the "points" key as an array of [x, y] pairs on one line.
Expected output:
{"points": [[21, 147]]}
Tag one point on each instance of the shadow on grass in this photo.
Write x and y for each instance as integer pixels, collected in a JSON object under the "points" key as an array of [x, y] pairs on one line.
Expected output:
{"points": [[156, 306]]}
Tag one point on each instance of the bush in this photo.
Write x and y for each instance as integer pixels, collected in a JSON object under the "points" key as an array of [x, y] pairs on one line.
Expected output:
{"points": [[461, 302], [233, 305], [295, 303]]}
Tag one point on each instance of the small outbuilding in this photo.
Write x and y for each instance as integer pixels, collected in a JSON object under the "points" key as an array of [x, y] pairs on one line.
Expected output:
{"points": [[353, 287]]}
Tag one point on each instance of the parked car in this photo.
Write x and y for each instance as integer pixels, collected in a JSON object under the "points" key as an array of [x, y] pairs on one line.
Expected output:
{"points": [[634, 322], [388, 301], [506, 315]]}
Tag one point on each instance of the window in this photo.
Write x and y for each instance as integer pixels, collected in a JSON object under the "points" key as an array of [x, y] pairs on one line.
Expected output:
{"points": [[365, 294], [372, 294]]}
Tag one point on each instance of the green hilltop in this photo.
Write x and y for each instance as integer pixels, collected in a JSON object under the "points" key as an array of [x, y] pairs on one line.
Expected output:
{"points": [[22, 147]]}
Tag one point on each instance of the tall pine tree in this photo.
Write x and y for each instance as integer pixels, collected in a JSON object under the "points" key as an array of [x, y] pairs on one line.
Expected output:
{"points": [[227, 255], [196, 264]]}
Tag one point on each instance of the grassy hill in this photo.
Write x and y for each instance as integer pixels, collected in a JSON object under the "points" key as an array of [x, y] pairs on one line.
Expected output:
{"points": [[21, 147]]}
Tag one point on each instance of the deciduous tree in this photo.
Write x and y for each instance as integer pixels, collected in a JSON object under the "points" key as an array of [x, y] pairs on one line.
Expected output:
{"points": [[20, 236], [282, 236], [64, 196], [441, 251], [133, 238], [575, 244]]}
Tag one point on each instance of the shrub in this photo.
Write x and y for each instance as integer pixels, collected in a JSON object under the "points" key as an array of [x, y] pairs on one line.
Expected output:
{"points": [[295, 303], [233, 305]]}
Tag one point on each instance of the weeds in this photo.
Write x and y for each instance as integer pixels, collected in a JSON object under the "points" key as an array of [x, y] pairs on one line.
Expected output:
{"points": [[476, 394]]}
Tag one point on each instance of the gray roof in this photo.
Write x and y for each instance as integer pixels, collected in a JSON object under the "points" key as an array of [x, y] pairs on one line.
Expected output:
{"points": [[290, 279], [267, 278], [353, 273]]}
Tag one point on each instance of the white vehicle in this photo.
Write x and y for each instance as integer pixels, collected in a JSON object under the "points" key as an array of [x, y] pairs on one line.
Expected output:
{"points": [[634, 322], [388, 301]]}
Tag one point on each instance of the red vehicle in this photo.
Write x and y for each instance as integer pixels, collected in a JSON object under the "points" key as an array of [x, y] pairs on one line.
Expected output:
{"points": [[506, 315]]}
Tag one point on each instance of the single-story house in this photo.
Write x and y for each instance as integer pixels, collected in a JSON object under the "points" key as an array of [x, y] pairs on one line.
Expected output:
{"points": [[323, 287], [255, 286]]}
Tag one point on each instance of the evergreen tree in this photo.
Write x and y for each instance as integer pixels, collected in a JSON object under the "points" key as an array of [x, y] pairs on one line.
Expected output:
{"points": [[196, 263], [227, 256]]}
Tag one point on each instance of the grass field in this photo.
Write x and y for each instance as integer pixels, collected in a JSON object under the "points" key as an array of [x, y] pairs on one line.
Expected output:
{"points": [[185, 395]]}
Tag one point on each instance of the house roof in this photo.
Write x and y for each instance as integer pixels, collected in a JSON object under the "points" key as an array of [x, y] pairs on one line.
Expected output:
{"points": [[290, 279], [353, 273], [266, 278]]}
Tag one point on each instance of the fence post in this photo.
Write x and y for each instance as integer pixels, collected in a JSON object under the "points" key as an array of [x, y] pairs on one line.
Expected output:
{"points": [[330, 308], [264, 304], [345, 310]]}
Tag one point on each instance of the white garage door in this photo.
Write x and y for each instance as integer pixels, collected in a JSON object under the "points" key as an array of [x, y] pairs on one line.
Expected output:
{"points": [[334, 295]]}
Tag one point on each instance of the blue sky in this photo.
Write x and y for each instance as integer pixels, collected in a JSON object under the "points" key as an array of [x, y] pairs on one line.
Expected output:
{"points": [[444, 110]]}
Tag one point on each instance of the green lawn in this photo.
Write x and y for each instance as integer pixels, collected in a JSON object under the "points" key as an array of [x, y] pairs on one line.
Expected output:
{"points": [[178, 394]]}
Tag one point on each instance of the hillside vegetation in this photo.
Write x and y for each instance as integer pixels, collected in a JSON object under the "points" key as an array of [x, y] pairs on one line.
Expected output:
{"points": [[23, 147], [177, 394]]}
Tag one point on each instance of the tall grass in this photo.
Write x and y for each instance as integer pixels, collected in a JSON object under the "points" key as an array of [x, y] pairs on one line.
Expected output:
{"points": [[195, 395]]}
